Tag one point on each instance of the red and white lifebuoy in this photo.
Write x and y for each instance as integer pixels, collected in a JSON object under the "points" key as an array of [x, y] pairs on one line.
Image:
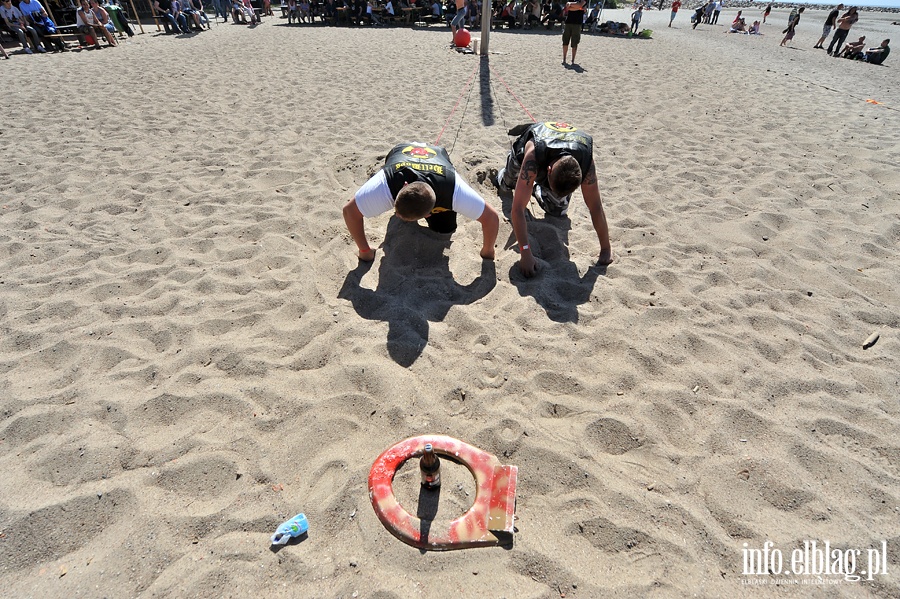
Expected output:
{"points": [[492, 511]]}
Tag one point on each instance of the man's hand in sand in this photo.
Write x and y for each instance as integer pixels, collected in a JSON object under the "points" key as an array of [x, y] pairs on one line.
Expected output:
{"points": [[591, 192], [527, 263]]}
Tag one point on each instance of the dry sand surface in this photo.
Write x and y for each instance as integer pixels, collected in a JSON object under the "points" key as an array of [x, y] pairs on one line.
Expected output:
{"points": [[191, 353]]}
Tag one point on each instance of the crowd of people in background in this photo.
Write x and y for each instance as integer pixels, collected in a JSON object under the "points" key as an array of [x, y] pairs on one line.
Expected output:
{"points": [[36, 31], [101, 20]]}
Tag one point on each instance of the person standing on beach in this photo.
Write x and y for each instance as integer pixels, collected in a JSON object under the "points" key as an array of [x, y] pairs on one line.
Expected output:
{"points": [[843, 28], [550, 161], [717, 8], [830, 22], [572, 27], [459, 21], [792, 25], [418, 181], [676, 4], [636, 19], [698, 15]]}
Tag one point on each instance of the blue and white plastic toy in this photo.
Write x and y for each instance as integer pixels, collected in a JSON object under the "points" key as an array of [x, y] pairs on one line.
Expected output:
{"points": [[294, 527]]}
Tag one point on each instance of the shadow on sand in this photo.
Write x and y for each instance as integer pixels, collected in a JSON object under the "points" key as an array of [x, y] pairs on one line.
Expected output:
{"points": [[415, 286]]}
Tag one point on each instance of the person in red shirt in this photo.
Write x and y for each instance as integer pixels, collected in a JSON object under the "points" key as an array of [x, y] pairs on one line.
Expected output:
{"points": [[676, 4]]}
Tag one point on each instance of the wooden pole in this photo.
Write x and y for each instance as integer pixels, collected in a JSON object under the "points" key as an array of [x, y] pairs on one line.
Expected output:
{"points": [[153, 12], [486, 9], [52, 16], [136, 17]]}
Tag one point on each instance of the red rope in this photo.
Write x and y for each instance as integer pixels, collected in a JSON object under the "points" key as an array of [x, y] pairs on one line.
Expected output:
{"points": [[471, 78], [534, 120]]}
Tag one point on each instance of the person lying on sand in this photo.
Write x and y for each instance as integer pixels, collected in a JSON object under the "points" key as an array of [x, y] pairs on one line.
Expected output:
{"points": [[418, 181]]}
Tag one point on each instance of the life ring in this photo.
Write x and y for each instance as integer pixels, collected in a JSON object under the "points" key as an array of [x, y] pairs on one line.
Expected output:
{"points": [[493, 510]]}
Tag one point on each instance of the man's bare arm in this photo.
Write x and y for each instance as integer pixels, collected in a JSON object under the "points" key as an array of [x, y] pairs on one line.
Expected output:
{"points": [[590, 189]]}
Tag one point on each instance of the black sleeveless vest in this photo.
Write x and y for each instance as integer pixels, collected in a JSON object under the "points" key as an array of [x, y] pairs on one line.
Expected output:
{"points": [[411, 162], [553, 140]]}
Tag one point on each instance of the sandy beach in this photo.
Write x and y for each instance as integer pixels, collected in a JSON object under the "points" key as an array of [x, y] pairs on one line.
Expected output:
{"points": [[191, 353]]}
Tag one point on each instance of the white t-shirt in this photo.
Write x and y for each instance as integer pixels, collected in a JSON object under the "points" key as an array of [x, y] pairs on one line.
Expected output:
{"points": [[375, 198]]}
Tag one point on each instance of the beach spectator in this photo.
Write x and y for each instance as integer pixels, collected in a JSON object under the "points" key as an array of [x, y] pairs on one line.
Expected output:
{"points": [[459, 21], [532, 13], [572, 28], [221, 8], [35, 14], [163, 10], [247, 12], [103, 19], [843, 28], [739, 27], [419, 181], [119, 17], [16, 23], [717, 8], [329, 12], [698, 16], [676, 4], [879, 54], [180, 17], [754, 29], [473, 12], [767, 12], [737, 18], [794, 12], [197, 13], [303, 11], [636, 19], [591, 20], [830, 22], [88, 25], [371, 17], [708, 11], [789, 32], [550, 161], [553, 14], [854, 49]]}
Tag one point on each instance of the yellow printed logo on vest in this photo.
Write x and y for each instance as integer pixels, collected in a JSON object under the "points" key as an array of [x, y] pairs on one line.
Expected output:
{"points": [[438, 210], [419, 152], [561, 127]]}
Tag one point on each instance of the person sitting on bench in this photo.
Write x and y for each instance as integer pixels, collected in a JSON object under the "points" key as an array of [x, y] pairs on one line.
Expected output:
{"points": [[164, 13], [90, 26], [40, 20], [17, 24]]}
